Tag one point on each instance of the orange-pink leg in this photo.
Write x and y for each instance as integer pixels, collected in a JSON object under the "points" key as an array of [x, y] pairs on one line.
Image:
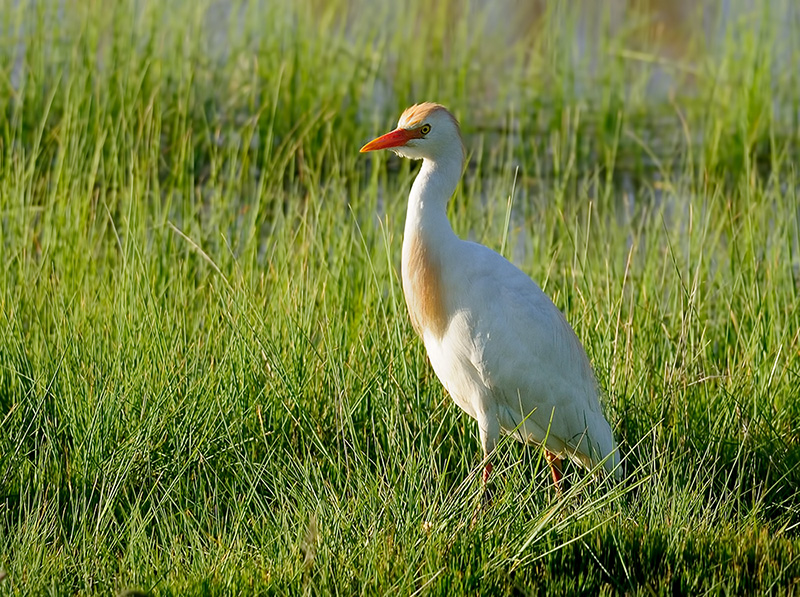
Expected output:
{"points": [[555, 468], [487, 470]]}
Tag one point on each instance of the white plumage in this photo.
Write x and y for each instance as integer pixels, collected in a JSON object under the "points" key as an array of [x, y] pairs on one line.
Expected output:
{"points": [[502, 349]]}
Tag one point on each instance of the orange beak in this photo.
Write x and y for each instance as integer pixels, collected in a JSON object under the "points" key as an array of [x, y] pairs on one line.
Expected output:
{"points": [[396, 138]]}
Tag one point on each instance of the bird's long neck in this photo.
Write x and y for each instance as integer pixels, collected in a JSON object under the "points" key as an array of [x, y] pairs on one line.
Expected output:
{"points": [[427, 237], [427, 202]]}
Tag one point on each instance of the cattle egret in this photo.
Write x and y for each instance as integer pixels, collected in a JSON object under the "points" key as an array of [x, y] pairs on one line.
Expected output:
{"points": [[498, 344]]}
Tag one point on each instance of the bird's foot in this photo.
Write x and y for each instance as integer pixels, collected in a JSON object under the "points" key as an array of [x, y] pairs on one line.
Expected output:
{"points": [[483, 506]]}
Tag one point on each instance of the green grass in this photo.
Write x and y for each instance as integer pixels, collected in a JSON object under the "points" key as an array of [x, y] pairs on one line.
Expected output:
{"points": [[208, 382]]}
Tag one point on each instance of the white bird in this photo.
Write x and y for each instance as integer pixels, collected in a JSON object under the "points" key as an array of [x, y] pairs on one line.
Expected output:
{"points": [[498, 344]]}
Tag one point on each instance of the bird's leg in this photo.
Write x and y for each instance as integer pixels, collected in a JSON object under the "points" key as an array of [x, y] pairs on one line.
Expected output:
{"points": [[487, 470], [490, 432], [555, 468], [486, 494]]}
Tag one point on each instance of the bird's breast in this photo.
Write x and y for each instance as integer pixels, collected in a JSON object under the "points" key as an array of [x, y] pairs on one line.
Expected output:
{"points": [[423, 287]]}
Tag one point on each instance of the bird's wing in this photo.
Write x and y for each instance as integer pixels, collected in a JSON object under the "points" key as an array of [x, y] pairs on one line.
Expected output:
{"points": [[530, 358]]}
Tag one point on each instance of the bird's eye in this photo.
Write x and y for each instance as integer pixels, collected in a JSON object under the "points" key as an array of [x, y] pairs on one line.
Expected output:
{"points": [[425, 129]]}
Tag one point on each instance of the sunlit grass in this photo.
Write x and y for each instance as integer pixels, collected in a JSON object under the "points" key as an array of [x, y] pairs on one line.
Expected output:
{"points": [[208, 383]]}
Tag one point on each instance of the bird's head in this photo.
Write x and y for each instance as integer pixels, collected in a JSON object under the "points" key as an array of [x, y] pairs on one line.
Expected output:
{"points": [[424, 131]]}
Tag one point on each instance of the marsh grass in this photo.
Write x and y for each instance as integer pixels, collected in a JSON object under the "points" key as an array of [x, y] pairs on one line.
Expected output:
{"points": [[208, 383]]}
